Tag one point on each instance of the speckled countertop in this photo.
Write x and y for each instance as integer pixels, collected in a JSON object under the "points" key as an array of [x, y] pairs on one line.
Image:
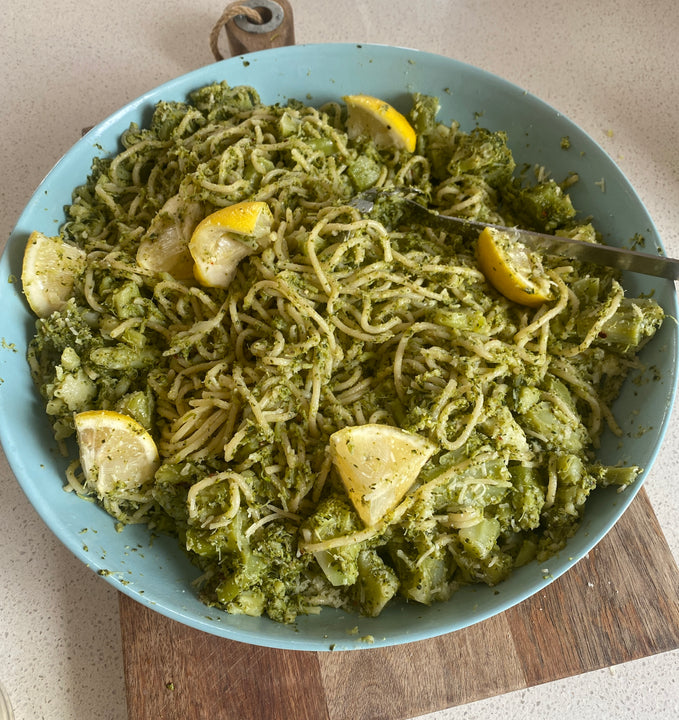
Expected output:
{"points": [[611, 66]]}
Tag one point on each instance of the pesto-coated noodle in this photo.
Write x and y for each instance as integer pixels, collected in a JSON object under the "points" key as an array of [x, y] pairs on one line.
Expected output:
{"points": [[341, 320]]}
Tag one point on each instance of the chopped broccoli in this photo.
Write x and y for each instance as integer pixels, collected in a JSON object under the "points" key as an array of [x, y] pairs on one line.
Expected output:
{"points": [[485, 154], [425, 576], [364, 171], [423, 113], [218, 102], [481, 154], [337, 322], [544, 206], [335, 517], [633, 324], [377, 583], [479, 539], [528, 496]]}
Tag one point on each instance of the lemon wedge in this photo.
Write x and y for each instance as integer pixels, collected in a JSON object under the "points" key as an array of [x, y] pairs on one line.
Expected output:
{"points": [[165, 246], [218, 243], [50, 266], [117, 454], [378, 464], [511, 269], [384, 124]]}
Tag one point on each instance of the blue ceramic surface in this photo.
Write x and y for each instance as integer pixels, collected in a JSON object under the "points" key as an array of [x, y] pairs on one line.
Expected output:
{"points": [[156, 573]]}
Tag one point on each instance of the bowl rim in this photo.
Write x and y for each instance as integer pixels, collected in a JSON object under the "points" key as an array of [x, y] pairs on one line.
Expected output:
{"points": [[110, 128]]}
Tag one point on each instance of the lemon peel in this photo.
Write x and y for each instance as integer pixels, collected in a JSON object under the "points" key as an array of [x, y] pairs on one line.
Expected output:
{"points": [[50, 266], [116, 453], [378, 464], [511, 269], [165, 246], [217, 244], [376, 118]]}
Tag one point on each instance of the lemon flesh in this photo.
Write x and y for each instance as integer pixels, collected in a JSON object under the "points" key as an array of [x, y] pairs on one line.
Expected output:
{"points": [[165, 246], [378, 464], [117, 454], [511, 269], [218, 243], [372, 117], [50, 267]]}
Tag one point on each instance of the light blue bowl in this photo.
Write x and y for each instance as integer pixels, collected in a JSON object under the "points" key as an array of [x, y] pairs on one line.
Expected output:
{"points": [[156, 573]]}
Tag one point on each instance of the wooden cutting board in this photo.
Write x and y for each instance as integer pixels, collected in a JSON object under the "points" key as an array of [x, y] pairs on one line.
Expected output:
{"points": [[620, 603]]}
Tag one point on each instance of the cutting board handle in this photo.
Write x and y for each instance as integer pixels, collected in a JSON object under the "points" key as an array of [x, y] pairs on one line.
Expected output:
{"points": [[253, 25]]}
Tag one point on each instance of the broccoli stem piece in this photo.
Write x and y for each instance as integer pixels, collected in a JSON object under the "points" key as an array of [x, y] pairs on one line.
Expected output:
{"points": [[377, 583]]}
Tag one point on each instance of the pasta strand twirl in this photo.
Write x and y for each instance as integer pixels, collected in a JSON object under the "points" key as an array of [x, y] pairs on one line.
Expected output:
{"points": [[341, 320]]}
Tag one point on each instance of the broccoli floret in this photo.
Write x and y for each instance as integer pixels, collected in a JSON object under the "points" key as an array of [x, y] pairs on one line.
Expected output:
{"points": [[528, 496], [55, 356], [621, 477], [544, 206], [72, 389], [561, 516], [484, 154], [67, 328], [635, 321], [479, 539], [549, 423], [506, 433], [377, 583], [423, 113], [491, 569], [219, 102], [265, 576], [138, 404], [364, 171], [246, 571], [76, 368], [335, 517], [424, 573]]}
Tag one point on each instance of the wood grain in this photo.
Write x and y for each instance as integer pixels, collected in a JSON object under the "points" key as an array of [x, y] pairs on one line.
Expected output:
{"points": [[420, 677], [242, 41], [173, 672], [620, 603]]}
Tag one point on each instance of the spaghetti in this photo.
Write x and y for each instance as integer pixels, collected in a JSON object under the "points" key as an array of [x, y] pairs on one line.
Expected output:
{"points": [[343, 320]]}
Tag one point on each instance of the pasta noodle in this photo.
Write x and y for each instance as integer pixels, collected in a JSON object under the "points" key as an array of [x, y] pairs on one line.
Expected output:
{"points": [[343, 320]]}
